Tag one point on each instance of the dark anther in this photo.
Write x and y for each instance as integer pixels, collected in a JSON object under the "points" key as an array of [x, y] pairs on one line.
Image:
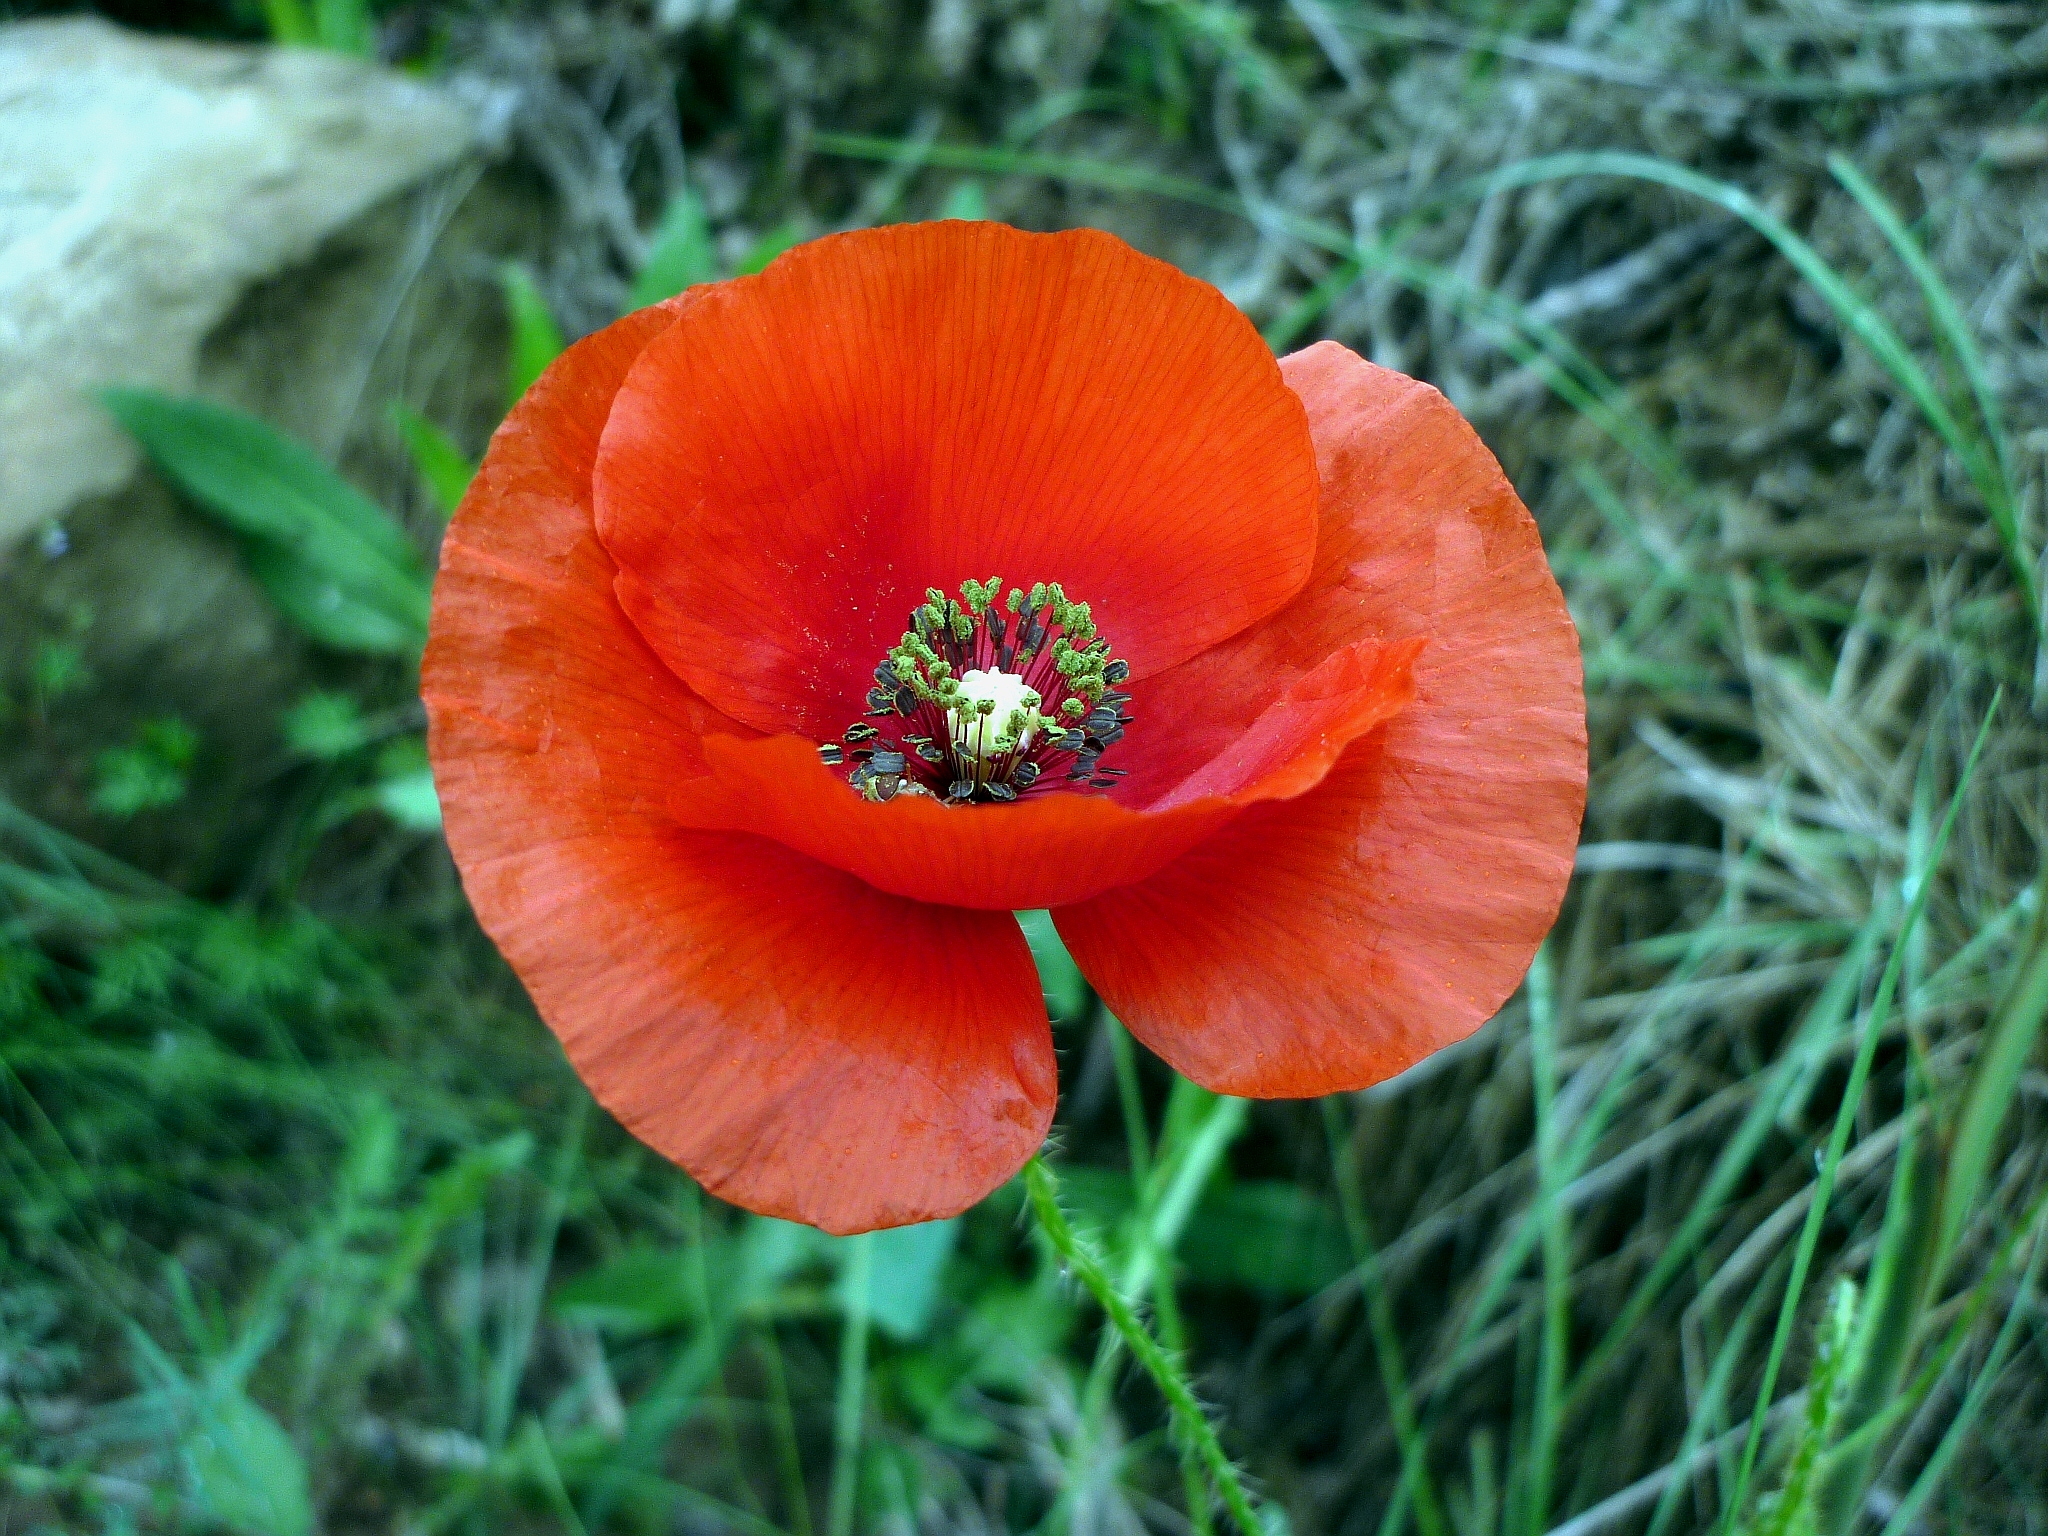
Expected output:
{"points": [[930, 753], [881, 701], [861, 733], [831, 755], [1026, 775], [1116, 672], [1001, 791], [885, 761], [960, 789], [906, 700]]}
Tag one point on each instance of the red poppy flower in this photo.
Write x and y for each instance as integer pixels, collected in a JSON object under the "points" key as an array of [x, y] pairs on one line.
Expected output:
{"points": [[1278, 710]]}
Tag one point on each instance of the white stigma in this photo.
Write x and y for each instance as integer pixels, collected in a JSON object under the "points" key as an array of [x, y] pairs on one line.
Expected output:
{"points": [[975, 733]]}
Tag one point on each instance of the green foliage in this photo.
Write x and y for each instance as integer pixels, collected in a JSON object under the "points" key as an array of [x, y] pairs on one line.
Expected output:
{"points": [[680, 254], [148, 774], [342, 26], [536, 337], [326, 725], [332, 560], [768, 247], [441, 464], [967, 200], [58, 668], [405, 785]]}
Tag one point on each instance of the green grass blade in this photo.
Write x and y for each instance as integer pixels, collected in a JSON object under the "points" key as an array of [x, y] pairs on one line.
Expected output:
{"points": [[1815, 1035], [850, 1403], [1907, 1514], [1845, 1116], [1941, 306], [1546, 1412], [1416, 1480], [2002, 1057], [1864, 322]]}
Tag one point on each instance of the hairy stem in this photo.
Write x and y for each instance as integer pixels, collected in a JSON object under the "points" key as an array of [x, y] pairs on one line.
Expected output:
{"points": [[1190, 1422]]}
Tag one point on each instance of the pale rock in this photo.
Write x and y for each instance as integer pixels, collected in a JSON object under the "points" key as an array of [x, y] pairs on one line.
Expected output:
{"points": [[146, 186]]}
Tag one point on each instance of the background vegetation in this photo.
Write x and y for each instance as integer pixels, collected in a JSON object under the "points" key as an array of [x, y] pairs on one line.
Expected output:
{"points": [[1728, 1222]]}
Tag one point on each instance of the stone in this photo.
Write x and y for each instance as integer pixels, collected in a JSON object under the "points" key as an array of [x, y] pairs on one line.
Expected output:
{"points": [[146, 186], [300, 235]]}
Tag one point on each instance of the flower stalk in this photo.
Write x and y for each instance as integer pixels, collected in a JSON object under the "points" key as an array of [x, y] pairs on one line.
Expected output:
{"points": [[1190, 1422]]}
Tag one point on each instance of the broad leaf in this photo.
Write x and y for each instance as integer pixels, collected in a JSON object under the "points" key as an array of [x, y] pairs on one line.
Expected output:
{"points": [[445, 468], [331, 559]]}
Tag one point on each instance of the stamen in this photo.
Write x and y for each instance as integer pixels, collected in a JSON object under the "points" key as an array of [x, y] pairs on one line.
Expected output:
{"points": [[997, 708]]}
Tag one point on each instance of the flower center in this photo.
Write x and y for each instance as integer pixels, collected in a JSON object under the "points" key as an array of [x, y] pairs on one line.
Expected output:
{"points": [[980, 707], [995, 708]]}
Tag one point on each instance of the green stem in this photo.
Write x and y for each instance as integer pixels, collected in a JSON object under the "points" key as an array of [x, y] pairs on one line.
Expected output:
{"points": [[1188, 1417], [1173, 1334], [788, 1457], [853, 1389]]}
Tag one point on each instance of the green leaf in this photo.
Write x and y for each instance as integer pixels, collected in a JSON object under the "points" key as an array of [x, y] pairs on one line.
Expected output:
{"points": [[331, 559], [644, 1289], [681, 255], [445, 468], [770, 246], [405, 788], [58, 668], [967, 200], [1066, 990], [409, 800], [536, 338], [344, 26], [325, 725], [903, 1276], [148, 775], [244, 1470], [1263, 1235], [289, 22]]}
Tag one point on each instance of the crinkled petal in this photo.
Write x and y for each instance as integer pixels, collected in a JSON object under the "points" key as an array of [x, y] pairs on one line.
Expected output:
{"points": [[1327, 942], [805, 452], [805, 1045]]}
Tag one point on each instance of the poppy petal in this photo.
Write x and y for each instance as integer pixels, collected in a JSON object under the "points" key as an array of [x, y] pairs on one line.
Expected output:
{"points": [[1327, 942], [805, 1045], [1049, 849], [791, 465]]}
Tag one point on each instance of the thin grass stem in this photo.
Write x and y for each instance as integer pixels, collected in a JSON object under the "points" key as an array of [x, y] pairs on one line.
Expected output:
{"points": [[852, 1398]]}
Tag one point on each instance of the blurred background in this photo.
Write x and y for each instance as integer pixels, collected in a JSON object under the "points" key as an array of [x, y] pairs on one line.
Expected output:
{"points": [[1727, 1223]]}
